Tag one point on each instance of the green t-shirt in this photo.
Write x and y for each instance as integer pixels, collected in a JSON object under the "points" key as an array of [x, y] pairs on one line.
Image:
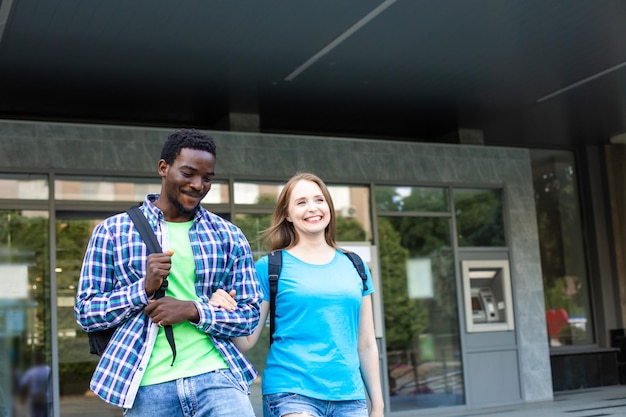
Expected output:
{"points": [[195, 352]]}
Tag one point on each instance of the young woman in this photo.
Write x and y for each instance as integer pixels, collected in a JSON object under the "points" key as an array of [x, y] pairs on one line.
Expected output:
{"points": [[324, 355]]}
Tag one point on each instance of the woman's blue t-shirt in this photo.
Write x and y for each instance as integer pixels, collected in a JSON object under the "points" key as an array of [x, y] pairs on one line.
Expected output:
{"points": [[316, 329]]}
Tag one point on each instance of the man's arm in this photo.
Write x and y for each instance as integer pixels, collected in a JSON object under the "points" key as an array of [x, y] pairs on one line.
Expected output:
{"points": [[242, 279], [100, 303]]}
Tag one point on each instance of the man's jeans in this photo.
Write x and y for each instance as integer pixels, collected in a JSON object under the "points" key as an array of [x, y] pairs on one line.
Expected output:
{"points": [[214, 394]]}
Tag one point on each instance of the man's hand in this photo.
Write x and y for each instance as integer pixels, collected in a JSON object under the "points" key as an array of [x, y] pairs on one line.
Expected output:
{"points": [[168, 310], [226, 300], [157, 269]]}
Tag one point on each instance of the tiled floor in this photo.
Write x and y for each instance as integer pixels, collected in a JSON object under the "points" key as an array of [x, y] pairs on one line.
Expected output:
{"points": [[605, 402]]}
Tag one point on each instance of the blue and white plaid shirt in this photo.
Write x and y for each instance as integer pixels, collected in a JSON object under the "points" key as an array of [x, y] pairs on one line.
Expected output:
{"points": [[111, 293]]}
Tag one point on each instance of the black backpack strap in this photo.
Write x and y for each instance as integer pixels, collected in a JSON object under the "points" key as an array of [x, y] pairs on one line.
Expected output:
{"points": [[358, 264], [144, 229], [275, 262], [150, 239]]}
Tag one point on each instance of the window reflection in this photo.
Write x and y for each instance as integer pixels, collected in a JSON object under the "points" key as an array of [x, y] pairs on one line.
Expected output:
{"points": [[24, 187], [255, 193], [25, 355], [104, 189], [252, 225], [563, 264], [479, 217], [421, 313], [352, 207], [117, 189], [417, 199], [76, 364]]}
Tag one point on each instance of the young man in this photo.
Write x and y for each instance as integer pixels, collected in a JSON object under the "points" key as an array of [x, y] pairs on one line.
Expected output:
{"points": [[201, 254]]}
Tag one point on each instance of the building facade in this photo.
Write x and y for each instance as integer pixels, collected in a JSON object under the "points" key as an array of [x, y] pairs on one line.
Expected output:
{"points": [[430, 218]]}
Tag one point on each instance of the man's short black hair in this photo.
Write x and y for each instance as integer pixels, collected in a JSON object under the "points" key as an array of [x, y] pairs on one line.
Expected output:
{"points": [[186, 139]]}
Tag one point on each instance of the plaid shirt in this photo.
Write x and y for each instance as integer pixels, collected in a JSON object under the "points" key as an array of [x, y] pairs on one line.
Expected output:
{"points": [[111, 293]]}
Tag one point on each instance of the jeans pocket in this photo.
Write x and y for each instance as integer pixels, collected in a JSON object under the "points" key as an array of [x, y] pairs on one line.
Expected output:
{"points": [[273, 399], [230, 378]]}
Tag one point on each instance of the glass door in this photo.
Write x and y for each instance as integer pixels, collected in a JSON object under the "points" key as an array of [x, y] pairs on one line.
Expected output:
{"points": [[421, 313], [76, 364], [25, 342], [420, 303]]}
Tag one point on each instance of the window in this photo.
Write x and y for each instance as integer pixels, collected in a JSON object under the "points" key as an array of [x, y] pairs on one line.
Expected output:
{"points": [[412, 199], [24, 187], [422, 334], [25, 315], [479, 217], [563, 262], [119, 189]]}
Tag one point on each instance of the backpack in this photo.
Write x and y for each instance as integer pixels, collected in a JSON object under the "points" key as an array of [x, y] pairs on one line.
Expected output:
{"points": [[275, 263]]}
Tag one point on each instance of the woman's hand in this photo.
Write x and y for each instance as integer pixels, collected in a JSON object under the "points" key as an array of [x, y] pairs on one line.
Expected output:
{"points": [[223, 299]]}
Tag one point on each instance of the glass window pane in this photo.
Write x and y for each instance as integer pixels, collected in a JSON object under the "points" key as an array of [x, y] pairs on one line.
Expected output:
{"points": [[479, 219], [218, 194], [252, 225], [76, 364], [352, 207], [24, 187], [563, 262], [256, 193], [419, 199], [105, 189], [25, 351], [421, 313], [117, 189]]}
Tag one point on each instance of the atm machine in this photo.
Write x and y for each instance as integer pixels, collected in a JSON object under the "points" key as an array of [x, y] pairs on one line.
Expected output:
{"points": [[484, 308], [490, 337], [487, 293]]}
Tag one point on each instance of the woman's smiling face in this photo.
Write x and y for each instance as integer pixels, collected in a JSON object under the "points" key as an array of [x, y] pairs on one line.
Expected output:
{"points": [[308, 209]]}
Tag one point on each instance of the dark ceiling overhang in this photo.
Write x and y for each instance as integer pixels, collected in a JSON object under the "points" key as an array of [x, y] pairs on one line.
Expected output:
{"points": [[524, 72]]}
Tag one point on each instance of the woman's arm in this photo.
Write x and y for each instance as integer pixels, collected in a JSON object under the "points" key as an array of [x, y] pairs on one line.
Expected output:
{"points": [[246, 343], [225, 300], [368, 356]]}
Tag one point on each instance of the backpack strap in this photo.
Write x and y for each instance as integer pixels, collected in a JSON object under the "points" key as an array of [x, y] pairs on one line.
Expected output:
{"points": [[358, 264], [144, 229], [274, 265], [150, 239]]}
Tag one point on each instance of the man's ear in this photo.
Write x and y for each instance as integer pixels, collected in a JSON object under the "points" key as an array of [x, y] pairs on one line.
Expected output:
{"points": [[162, 167]]}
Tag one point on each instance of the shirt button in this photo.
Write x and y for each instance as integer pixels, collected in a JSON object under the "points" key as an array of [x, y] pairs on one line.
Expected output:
{"points": [[140, 369]]}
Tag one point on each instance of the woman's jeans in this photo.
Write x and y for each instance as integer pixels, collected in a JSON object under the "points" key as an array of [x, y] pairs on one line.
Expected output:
{"points": [[214, 394], [276, 405]]}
